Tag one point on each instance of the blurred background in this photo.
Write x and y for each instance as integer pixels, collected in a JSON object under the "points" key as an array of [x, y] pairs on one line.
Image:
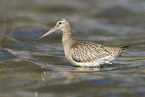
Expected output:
{"points": [[41, 69]]}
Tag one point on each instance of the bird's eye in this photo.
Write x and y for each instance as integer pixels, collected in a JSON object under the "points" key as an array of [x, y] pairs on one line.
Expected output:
{"points": [[59, 22]]}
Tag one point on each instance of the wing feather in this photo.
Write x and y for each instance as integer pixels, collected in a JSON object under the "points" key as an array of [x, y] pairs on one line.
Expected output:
{"points": [[89, 51]]}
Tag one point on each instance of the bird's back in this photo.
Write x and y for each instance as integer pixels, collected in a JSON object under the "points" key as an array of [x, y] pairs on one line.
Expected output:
{"points": [[89, 51]]}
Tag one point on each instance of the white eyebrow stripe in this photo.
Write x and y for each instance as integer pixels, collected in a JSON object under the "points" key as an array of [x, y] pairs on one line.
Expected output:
{"points": [[61, 21]]}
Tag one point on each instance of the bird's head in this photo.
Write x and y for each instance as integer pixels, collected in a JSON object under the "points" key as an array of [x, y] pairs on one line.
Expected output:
{"points": [[60, 25]]}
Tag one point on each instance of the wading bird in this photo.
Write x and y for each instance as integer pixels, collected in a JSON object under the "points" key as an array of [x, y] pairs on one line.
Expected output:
{"points": [[84, 53]]}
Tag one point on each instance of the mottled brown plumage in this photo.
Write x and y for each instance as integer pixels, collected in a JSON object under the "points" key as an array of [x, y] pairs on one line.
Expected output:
{"points": [[89, 51], [84, 53]]}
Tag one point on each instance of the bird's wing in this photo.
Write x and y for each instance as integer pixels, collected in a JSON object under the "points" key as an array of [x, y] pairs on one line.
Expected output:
{"points": [[89, 51]]}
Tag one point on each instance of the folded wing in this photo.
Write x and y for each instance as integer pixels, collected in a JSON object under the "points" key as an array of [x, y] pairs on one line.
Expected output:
{"points": [[89, 51]]}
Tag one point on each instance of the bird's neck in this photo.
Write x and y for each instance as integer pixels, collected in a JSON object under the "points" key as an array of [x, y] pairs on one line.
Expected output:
{"points": [[67, 35], [67, 41]]}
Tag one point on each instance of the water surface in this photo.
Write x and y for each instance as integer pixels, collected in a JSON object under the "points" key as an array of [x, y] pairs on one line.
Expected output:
{"points": [[41, 69]]}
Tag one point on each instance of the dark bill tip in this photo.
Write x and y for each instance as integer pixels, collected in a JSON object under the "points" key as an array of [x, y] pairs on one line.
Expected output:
{"points": [[35, 41]]}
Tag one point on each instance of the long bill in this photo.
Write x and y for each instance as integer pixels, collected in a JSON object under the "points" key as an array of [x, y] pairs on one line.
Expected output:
{"points": [[47, 33]]}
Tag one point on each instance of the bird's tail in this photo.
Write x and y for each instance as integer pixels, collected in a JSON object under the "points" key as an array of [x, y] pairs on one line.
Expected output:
{"points": [[125, 47]]}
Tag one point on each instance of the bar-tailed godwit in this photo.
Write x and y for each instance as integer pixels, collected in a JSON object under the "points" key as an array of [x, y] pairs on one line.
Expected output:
{"points": [[84, 53]]}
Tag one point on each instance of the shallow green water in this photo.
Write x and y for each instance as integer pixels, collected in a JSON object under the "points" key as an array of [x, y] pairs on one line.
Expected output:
{"points": [[41, 70]]}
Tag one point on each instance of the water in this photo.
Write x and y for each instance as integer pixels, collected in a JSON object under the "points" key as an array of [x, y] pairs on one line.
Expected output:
{"points": [[41, 70]]}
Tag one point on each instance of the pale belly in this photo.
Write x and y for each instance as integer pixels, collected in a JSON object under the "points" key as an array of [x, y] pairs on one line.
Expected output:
{"points": [[97, 62]]}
